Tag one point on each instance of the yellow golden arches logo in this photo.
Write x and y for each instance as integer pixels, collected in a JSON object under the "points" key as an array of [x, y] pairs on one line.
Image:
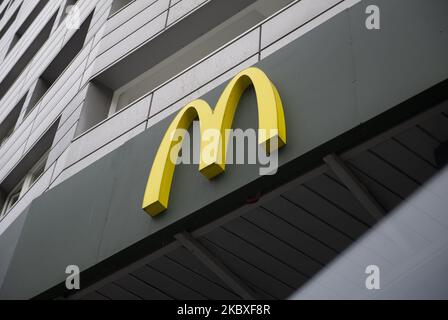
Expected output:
{"points": [[271, 133]]}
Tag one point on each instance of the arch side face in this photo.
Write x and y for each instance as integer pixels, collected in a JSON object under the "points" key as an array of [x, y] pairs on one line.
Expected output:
{"points": [[271, 132], [158, 187], [271, 118]]}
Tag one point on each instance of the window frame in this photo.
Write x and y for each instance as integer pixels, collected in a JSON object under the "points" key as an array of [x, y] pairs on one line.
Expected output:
{"points": [[8, 205], [24, 185]]}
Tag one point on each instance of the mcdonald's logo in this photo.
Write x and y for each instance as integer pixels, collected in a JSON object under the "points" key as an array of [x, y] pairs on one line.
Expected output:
{"points": [[271, 133]]}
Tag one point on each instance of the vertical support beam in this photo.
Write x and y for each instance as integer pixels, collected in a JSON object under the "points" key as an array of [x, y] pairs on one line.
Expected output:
{"points": [[355, 186], [216, 266]]}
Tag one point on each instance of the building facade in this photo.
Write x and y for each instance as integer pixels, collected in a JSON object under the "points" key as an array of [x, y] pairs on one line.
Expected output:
{"points": [[88, 89]]}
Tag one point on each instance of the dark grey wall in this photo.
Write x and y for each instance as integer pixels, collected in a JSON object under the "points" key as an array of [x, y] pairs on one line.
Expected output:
{"points": [[331, 80]]}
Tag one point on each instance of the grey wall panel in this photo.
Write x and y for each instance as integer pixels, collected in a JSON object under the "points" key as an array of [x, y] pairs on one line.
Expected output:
{"points": [[8, 241], [88, 219], [36, 189], [388, 60]]}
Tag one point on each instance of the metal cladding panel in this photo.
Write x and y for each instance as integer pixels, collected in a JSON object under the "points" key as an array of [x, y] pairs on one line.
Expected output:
{"points": [[97, 213], [9, 241]]}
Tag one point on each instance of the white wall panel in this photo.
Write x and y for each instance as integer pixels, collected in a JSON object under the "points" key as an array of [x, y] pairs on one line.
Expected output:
{"points": [[109, 130], [133, 25], [130, 42], [202, 73], [85, 162]]}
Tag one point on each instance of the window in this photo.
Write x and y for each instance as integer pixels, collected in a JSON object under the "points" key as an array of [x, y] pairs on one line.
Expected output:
{"points": [[38, 170], [96, 107], [35, 173], [27, 172], [12, 199], [24, 185]]}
